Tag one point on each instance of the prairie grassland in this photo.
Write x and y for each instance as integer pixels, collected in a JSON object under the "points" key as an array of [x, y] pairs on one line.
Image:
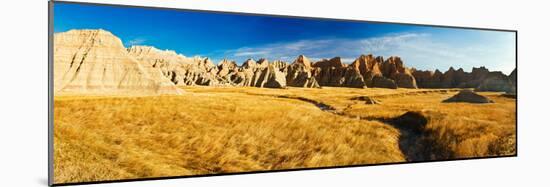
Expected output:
{"points": [[454, 130], [217, 130], [201, 133]]}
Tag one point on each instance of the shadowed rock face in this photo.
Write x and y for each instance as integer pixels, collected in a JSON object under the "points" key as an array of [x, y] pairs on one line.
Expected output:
{"points": [[480, 78], [300, 73], [263, 74], [354, 79], [428, 79], [496, 82], [365, 71], [331, 72], [394, 69], [335, 73], [513, 78], [383, 82], [225, 67], [368, 67], [95, 61]]}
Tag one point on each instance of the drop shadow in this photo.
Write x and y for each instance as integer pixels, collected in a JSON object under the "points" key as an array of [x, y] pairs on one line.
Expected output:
{"points": [[42, 181]]}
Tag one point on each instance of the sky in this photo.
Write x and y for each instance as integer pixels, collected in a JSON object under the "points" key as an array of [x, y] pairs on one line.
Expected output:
{"points": [[239, 37]]}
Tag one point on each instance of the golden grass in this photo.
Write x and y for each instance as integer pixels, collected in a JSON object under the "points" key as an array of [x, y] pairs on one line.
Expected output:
{"points": [[218, 130], [455, 130], [202, 133]]}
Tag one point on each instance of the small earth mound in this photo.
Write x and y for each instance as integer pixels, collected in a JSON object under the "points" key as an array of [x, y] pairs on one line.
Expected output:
{"points": [[468, 96], [371, 101], [368, 100]]}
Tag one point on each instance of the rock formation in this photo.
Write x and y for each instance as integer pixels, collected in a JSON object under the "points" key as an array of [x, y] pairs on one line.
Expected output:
{"points": [[496, 82], [300, 73], [182, 70], [365, 71], [394, 69], [275, 78], [468, 96], [331, 72], [179, 69], [96, 62], [428, 79], [479, 78], [383, 82], [513, 76], [335, 73], [263, 74], [225, 67], [513, 79], [368, 68]]}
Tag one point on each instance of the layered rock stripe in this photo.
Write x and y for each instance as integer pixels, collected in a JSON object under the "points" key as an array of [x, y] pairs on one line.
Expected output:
{"points": [[96, 62]]}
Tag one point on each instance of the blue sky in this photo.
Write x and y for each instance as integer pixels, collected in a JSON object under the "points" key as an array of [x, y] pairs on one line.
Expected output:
{"points": [[239, 37]]}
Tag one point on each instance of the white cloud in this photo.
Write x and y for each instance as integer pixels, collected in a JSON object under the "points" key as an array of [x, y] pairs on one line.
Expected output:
{"points": [[421, 50], [135, 41], [250, 53], [347, 49]]}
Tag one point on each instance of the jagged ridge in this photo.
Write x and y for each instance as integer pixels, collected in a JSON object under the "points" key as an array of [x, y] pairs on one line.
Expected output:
{"points": [[96, 61]]}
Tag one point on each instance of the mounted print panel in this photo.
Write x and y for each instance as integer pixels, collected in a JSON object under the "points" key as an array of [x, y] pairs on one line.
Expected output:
{"points": [[151, 93]]}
